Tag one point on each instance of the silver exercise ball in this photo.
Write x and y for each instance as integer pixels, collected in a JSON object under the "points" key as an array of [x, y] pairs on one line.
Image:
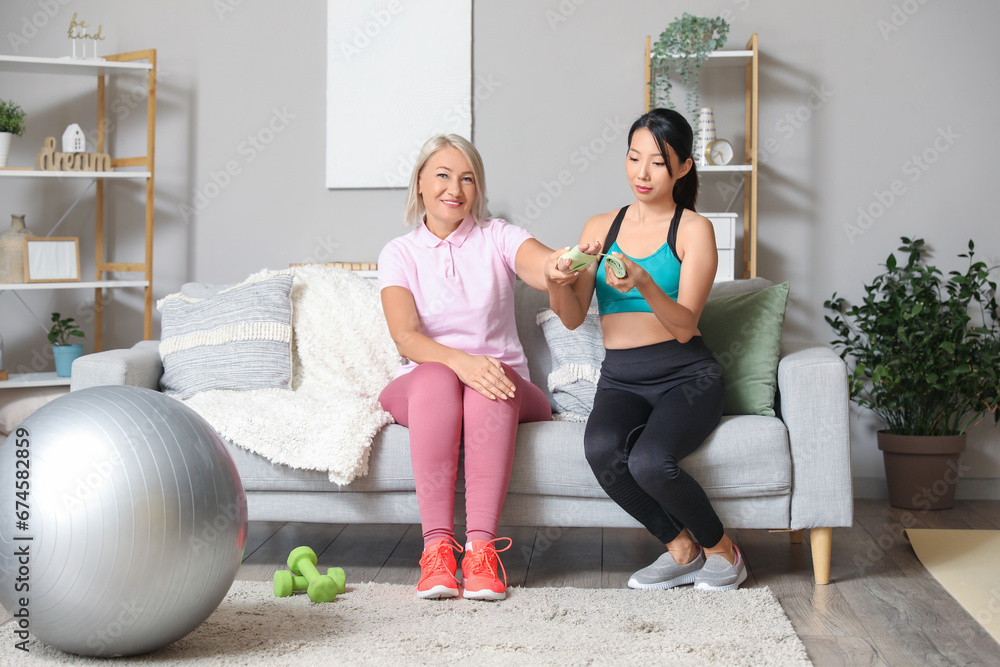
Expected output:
{"points": [[122, 522]]}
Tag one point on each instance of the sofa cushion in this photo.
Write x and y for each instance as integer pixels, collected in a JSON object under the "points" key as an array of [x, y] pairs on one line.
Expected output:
{"points": [[389, 469], [549, 461], [744, 333], [238, 338], [529, 301]]}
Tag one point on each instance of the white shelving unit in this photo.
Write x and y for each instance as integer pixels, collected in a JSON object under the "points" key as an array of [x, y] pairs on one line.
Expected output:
{"points": [[134, 168], [24, 380], [749, 59]]}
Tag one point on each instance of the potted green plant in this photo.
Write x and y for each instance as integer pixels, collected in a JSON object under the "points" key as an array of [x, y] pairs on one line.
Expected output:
{"points": [[681, 49], [11, 123], [926, 353], [61, 334]]}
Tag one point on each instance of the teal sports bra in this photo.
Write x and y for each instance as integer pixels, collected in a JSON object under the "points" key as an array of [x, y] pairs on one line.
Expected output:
{"points": [[663, 266]]}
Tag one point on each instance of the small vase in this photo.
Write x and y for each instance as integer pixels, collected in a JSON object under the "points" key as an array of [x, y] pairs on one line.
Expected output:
{"points": [[12, 250], [65, 355], [5, 138], [706, 135]]}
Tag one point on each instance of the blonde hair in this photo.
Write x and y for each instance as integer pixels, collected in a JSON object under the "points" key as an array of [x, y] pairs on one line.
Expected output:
{"points": [[414, 210]]}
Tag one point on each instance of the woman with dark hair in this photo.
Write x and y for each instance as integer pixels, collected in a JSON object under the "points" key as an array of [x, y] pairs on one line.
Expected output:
{"points": [[661, 391]]}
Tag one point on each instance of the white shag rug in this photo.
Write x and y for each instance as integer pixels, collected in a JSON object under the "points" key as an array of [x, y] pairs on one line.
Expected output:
{"points": [[342, 358], [385, 624]]}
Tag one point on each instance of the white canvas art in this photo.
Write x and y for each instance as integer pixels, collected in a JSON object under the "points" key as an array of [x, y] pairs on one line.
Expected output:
{"points": [[398, 72]]}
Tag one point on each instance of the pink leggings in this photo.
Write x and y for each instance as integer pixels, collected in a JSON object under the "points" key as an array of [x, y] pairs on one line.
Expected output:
{"points": [[435, 405]]}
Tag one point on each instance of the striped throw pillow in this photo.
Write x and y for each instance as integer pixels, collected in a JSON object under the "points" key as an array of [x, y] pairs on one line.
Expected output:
{"points": [[239, 338], [576, 362]]}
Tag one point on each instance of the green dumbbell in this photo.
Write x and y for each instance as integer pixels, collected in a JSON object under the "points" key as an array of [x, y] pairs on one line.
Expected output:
{"points": [[286, 583], [321, 588]]}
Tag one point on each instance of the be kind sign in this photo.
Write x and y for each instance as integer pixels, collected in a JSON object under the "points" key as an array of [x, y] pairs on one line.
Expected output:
{"points": [[398, 72]]}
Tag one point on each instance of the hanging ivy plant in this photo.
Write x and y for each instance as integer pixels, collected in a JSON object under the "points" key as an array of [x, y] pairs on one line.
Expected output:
{"points": [[681, 50]]}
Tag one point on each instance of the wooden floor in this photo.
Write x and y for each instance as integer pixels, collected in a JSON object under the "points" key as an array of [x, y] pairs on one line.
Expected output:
{"points": [[881, 608]]}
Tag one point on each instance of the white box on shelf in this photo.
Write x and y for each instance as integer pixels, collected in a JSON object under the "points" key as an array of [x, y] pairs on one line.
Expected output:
{"points": [[725, 241]]}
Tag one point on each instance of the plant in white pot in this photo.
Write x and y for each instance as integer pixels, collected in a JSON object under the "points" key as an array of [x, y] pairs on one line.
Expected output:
{"points": [[61, 335], [926, 351], [681, 50], [11, 124]]}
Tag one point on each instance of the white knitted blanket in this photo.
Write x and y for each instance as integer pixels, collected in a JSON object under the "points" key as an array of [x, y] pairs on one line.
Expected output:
{"points": [[342, 358]]}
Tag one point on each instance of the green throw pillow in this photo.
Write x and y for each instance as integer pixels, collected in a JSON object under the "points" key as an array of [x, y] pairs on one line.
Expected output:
{"points": [[744, 333]]}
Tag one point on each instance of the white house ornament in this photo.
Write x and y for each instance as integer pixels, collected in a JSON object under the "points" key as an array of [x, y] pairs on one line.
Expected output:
{"points": [[74, 140]]}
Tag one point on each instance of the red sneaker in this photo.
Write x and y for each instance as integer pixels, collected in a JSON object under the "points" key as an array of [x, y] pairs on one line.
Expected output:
{"points": [[437, 570], [479, 568]]}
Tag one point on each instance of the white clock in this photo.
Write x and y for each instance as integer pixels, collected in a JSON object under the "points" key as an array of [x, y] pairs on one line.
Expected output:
{"points": [[719, 152]]}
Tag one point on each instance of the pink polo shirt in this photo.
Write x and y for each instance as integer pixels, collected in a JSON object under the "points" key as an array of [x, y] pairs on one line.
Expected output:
{"points": [[463, 286]]}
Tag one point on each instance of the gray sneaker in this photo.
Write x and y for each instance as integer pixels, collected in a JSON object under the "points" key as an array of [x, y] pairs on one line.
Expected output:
{"points": [[721, 575], [666, 573]]}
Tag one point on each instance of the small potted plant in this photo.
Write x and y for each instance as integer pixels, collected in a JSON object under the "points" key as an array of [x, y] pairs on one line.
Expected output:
{"points": [[61, 334], [681, 49], [11, 123], [926, 351]]}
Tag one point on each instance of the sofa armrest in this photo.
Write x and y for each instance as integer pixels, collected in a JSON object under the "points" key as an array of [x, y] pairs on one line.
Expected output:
{"points": [[815, 406], [138, 366]]}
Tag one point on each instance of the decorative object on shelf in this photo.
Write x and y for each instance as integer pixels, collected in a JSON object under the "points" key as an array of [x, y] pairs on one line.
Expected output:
{"points": [[78, 30], [74, 140], [48, 159], [705, 135], [12, 250], [681, 49], [11, 123], [53, 259], [724, 225], [3, 370], [927, 361], [719, 152], [63, 330]]}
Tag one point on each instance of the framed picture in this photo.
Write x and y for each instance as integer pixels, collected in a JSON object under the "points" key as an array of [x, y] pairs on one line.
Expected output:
{"points": [[51, 260], [397, 74]]}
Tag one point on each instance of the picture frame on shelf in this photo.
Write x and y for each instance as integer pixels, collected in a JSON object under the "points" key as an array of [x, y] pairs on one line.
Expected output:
{"points": [[51, 259]]}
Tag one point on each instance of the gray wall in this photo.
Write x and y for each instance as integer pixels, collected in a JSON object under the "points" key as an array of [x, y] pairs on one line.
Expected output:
{"points": [[855, 96]]}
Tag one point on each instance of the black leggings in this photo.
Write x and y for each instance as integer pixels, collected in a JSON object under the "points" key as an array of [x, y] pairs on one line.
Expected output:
{"points": [[655, 405]]}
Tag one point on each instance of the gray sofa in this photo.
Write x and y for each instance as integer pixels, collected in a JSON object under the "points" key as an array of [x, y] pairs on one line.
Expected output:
{"points": [[790, 472]]}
